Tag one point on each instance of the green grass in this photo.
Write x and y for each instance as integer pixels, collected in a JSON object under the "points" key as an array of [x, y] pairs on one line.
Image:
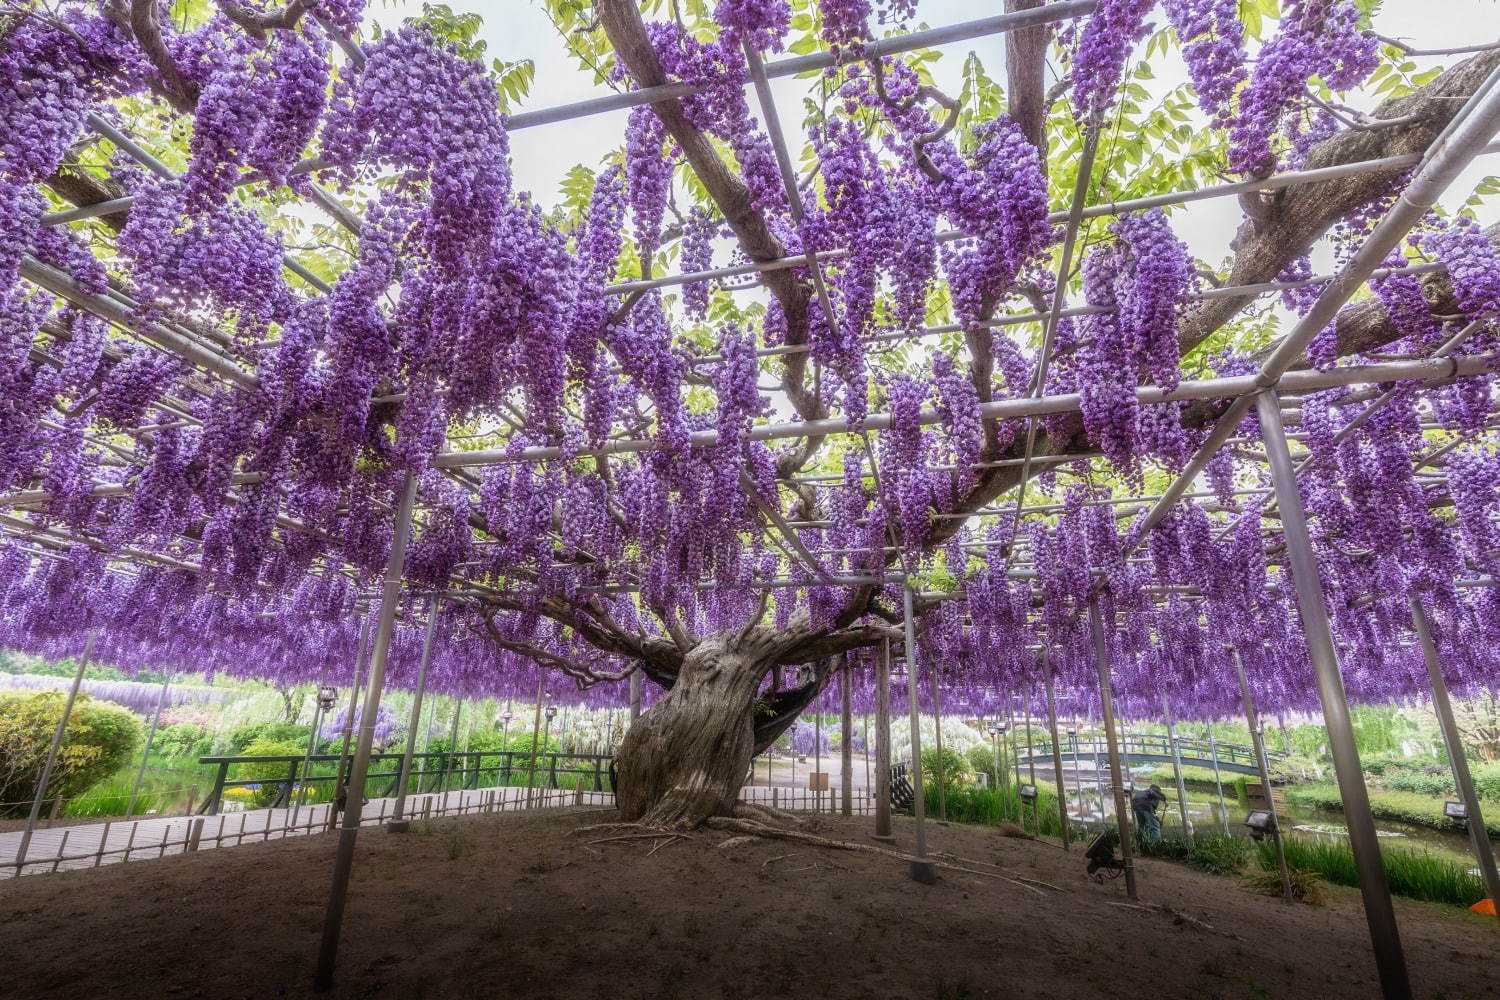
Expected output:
{"points": [[1402, 807], [1414, 874], [163, 790], [1214, 853], [1198, 779], [991, 806]]}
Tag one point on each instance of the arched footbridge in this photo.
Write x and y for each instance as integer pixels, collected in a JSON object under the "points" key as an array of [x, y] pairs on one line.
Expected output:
{"points": [[1232, 757]]}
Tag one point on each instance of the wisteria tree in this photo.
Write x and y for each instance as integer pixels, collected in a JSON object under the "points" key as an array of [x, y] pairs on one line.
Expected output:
{"points": [[596, 487]]}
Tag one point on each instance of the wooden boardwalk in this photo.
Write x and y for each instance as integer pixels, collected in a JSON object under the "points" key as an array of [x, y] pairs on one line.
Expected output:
{"points": [[64, 848]]}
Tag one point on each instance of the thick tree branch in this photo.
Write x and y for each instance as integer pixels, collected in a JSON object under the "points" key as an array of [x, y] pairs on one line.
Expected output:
{"points": [[626, 31], [1295, 218], [1025, 76], [259, 22]]}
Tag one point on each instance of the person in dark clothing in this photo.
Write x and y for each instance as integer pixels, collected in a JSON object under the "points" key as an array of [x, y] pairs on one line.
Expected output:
{"points": [[1145, 804]]}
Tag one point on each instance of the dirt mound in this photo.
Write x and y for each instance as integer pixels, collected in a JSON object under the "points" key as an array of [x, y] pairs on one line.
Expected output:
{"points": [[527, 906]]}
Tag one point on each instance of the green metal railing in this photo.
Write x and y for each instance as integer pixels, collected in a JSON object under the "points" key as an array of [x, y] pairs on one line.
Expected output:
{"points": [[430, 772]]}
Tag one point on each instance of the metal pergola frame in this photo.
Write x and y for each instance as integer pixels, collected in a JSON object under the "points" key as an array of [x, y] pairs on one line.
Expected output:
{"points": [[1470, 134]]}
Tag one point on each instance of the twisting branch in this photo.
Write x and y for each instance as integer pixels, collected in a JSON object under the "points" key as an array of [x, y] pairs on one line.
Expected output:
{"points": [[179, 91], [621, 20], [260, 22], [586, 676]]}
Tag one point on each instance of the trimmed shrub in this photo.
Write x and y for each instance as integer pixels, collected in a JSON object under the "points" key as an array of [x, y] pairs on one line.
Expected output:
{"points": [[276, 732], [1487, 782], [99, 740], [979, 760], [180, 740], [272, 774], [1424, 781], [953, 766]]}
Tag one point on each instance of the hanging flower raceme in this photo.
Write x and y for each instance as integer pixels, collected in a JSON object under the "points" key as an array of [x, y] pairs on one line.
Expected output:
{"points": [[1213, 45], [1104, 45], [1140, 282], [1315, 38]]}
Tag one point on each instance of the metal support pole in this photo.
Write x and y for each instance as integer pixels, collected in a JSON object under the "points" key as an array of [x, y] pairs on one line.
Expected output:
{"points": [[312, 744], [1258, 746], [451, 755], [398, 823], [846, 699], [999, 768], [536, 732], [882, 743], [1478, 835], [1036, 813], [1187, 830], [922, 869], [937, 729], [1385, 936], [817, 751], [1013, 733], [354, 807], [1213, 752], [340, 784], [57, 738], [1116, 774], [1057, 771], [140, 774], [635, 696]]}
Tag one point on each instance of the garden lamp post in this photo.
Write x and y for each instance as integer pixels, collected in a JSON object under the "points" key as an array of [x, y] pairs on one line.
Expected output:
{"points": [[547, 738], [995, 739], [1072, 734], [326, 698], [504, 721]]}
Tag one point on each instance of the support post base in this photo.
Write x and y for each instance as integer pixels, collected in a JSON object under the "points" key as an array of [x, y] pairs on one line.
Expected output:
{"points": [[398, 826], [884, 838], [924, 872]]}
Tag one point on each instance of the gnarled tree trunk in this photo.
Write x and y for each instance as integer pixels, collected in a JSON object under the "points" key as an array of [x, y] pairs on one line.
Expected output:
{"points": [[685, 759]]}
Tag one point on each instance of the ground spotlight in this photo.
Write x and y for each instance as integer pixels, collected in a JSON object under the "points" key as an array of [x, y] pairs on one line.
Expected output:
{"points": [[1260, 822]]}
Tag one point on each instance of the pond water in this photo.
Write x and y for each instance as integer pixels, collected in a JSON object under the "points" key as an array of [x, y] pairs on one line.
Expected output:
{"points": [[1315, 824]]}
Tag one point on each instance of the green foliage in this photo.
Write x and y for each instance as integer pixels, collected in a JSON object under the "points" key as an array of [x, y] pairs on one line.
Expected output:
{"points": [[276, 732], [1414, 874], [99, 739], [271, 774], [1402, 807], [992, 806], [521, 743], [1200, 779], [980, 760], [1487, 782], [1424, 780], [180, 740], [951, 766], [1214, 853], [1379, 729], [1294, 768]]}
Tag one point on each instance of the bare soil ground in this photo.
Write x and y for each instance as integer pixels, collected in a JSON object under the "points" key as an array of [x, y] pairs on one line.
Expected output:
{"points": [[519, 905]]}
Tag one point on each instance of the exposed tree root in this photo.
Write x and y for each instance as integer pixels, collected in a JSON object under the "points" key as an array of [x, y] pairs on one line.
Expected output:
{"points": [[753, 829], [769, 815], [656, 835], [1012, 876], [669, 840], [595, 827], [1178, 917]]}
